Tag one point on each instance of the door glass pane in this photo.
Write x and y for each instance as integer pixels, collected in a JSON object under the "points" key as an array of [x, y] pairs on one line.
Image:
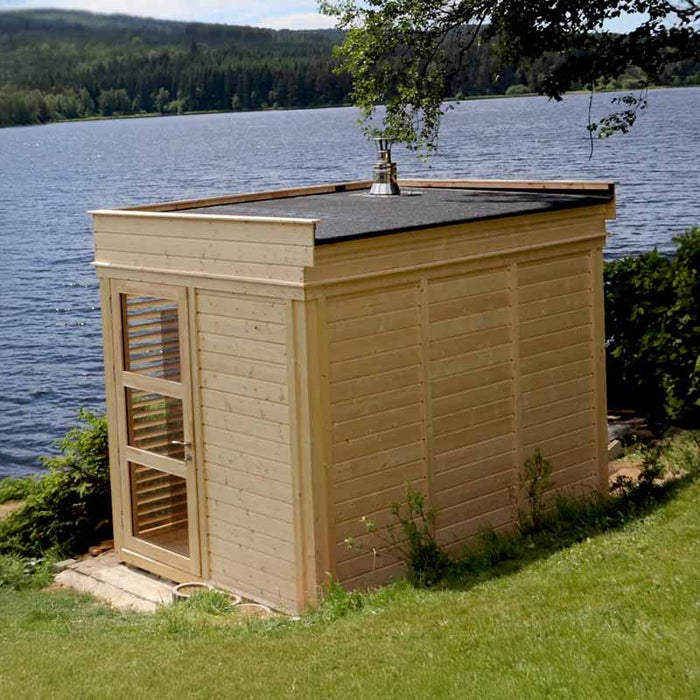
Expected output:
{"points": [[151, 340], [155, 423], [159, 508]]}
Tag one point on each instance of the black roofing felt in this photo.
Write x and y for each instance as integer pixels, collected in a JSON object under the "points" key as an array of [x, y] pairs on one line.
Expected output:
{"points": [[350, 215]]}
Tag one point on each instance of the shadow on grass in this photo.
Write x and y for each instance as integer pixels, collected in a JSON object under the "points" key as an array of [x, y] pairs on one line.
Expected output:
{"points": [[570, 522], [570, 519]]}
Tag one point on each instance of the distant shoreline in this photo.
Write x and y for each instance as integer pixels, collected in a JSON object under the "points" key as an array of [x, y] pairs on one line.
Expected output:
{"points": [[154, 115], [467, 98]]}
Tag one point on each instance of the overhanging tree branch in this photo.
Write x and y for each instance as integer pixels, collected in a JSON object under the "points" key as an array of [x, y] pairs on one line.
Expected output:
{"points": [[403, 53]]}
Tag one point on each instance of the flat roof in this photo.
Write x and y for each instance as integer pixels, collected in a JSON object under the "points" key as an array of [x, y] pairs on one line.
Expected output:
{"points": [[353, 214]]}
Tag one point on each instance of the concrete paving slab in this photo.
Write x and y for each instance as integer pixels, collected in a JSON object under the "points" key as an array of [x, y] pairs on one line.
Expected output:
{"points": [[115, 583], [136, 583]]}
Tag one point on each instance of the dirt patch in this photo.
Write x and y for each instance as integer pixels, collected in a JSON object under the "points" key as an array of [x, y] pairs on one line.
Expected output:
{"points": [[628, 470], [9, 507]]}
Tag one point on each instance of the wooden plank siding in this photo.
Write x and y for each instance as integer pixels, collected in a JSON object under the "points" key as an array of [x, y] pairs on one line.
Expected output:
{"points": [[268, 250], [449, 382], [246, 441], [558, 394], [473, 388], [376, 407], [384, 256]]}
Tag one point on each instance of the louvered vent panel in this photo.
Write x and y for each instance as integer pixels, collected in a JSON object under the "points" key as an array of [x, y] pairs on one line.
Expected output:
{"points": [[151, 340], [159, 507], [155, 423]]}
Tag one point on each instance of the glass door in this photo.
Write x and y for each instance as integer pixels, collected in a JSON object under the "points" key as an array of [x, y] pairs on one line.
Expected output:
{"points": [[155, 423]]}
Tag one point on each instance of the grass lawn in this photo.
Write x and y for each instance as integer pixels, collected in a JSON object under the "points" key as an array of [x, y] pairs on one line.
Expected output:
{"points": [[617, 616]]}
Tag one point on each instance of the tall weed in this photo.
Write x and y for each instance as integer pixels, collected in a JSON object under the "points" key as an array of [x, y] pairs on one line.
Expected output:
{"points": [[410, 538]]}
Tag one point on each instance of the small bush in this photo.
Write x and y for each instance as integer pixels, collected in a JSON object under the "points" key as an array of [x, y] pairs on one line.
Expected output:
{"points": [[683, 455], [427, 562], [69, 507], [652, 471], [678, 457]]}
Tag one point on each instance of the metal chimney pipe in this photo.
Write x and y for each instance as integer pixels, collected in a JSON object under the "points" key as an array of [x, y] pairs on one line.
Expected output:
{"points": [[384, 184]]}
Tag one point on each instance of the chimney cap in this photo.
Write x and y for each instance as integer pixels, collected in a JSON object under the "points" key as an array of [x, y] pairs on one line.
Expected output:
{"points": [[384, 183], [383, 143]]}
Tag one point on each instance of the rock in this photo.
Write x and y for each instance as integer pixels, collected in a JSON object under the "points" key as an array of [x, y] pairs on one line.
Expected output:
{"points": [[626, 426], [615, 450], [59, 566]]}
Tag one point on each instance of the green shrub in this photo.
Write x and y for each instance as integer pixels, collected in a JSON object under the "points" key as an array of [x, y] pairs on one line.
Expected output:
{"points": [[647, 486], [683, 455], [69, 507], [653, 328], [426, 560], [16, 488]]}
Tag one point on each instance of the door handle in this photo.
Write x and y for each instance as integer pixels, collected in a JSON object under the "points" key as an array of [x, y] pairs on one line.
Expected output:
{"points": [[186, 445]]}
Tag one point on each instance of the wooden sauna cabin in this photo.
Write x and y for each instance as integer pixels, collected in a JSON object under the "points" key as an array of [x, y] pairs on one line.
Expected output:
{"points": [[280, 364]]}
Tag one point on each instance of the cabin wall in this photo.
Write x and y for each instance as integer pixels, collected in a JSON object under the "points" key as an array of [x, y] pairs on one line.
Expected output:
{"points": [[243, 386], [398, 254], [557, 357], [449, 376], [376, 388], [472, 385], [240, 275]]}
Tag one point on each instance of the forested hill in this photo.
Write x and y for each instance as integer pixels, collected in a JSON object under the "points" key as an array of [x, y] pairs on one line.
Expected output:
{"points": [[58, 64]]}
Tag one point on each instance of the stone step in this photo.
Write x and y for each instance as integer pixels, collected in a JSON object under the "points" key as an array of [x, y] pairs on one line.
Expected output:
{"points": [[90, 564], [113, 595], [140, 585]]}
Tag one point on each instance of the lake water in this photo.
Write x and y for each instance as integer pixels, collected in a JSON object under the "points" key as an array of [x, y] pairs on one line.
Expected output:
{"points": [[50, 343]]}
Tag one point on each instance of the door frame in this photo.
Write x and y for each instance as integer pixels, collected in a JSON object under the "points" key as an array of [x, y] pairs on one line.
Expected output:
{"points": [[183, 390]]}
